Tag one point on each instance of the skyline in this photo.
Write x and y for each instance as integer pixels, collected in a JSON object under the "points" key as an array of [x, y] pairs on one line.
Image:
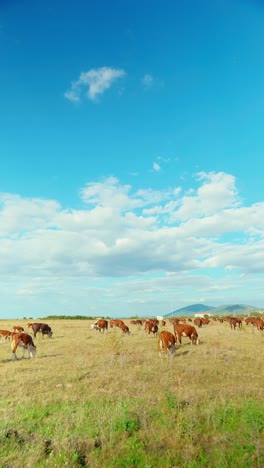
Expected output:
{"points": [[131, 147]]}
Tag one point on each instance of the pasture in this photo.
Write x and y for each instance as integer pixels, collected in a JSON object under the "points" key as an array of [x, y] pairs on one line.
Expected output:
{"points": [[109, 400]]}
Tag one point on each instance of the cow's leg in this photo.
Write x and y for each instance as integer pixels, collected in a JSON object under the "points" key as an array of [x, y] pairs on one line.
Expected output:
{"points": [[160, 347], [14, 348]]}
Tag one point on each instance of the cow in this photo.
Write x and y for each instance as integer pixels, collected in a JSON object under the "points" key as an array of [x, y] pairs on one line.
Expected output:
{"points": [[18, 329], [234, 321], [124, 329], [252, 320], [151, 326], [205, 321], [181, 329], [26, 342], [166, 343], [44, 328], [260, 323], [136, 322], [116, 323], [5, 334], [198, 322], [101, 325]]}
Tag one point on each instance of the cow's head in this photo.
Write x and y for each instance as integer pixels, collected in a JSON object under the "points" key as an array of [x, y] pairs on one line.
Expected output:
{"points": [[32, 351]]}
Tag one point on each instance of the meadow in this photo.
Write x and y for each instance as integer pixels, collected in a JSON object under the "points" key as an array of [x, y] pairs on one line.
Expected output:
{"points": [[109, 400]]}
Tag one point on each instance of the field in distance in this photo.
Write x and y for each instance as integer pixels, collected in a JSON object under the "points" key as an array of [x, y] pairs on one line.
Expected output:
{"points": [[108, 399]]}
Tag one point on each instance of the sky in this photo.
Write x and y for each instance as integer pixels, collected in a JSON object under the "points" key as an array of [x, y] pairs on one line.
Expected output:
{"points": [[131, 150]]}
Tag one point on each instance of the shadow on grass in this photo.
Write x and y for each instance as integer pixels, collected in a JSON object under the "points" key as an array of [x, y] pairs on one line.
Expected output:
{"points": [[183, 353], [31, 359]]}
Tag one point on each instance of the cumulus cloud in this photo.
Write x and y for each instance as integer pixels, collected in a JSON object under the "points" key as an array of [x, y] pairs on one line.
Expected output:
{"points": [[123, 238], [93, 83]]}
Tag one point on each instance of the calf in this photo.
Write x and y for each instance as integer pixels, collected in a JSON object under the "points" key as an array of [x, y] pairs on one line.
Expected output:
{"points": [[166, 343], [26, 342], [186, 330], [18, 329], [5, 334]]}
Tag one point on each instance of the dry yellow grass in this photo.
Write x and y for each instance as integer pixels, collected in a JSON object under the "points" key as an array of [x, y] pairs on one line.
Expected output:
{"points": [[80, 371]]}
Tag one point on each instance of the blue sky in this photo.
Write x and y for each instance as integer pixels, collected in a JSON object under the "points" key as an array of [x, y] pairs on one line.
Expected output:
{"points": [[131, 143]]}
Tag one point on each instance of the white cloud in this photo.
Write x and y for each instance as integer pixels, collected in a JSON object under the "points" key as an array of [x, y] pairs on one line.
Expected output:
{"points": [[156, 167], [95, 82], [179, 245], [147, 80]]}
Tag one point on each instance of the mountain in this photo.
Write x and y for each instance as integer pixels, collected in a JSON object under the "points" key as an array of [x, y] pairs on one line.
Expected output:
{"points": [[235, 309], [226, 309], [191, 310]]}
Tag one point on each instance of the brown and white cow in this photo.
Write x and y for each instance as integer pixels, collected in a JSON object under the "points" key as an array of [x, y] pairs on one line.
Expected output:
{"points": [[124, 329], [198, 322], [18, 329], [166, 343], [116, 323], [151, 326], [181, 329], [101, 325], [26, 342], [5, 334]]}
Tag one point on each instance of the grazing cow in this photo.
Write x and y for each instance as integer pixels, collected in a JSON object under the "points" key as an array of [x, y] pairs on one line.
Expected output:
{"points": [[151, 326], [101, 325], [198, 322], [26, 342], [44, 328], [205, 321], [166, 343], [18, 329], [234, 321], [124, 329], [5, 334], [120, 324], [136, 322], [251, 320], [186, 330], [259, 323], [116, 323]]}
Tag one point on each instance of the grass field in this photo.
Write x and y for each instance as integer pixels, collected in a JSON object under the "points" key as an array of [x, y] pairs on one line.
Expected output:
{"points": [[108, 400]]}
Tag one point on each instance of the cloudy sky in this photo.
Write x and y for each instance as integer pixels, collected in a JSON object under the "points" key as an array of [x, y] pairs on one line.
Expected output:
{"points": [[132, 149]]}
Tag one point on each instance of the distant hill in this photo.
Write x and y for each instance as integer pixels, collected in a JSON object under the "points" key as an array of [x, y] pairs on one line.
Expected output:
{"points": [[191, 310], [235, 309], [220, 310]]}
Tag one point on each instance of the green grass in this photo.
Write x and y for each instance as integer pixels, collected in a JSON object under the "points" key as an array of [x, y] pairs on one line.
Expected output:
{"points": [[97, 400]]}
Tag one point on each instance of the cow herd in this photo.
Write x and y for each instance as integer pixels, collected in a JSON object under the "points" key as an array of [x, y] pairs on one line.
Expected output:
{"points": [[167, 340], [19, 338]]}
